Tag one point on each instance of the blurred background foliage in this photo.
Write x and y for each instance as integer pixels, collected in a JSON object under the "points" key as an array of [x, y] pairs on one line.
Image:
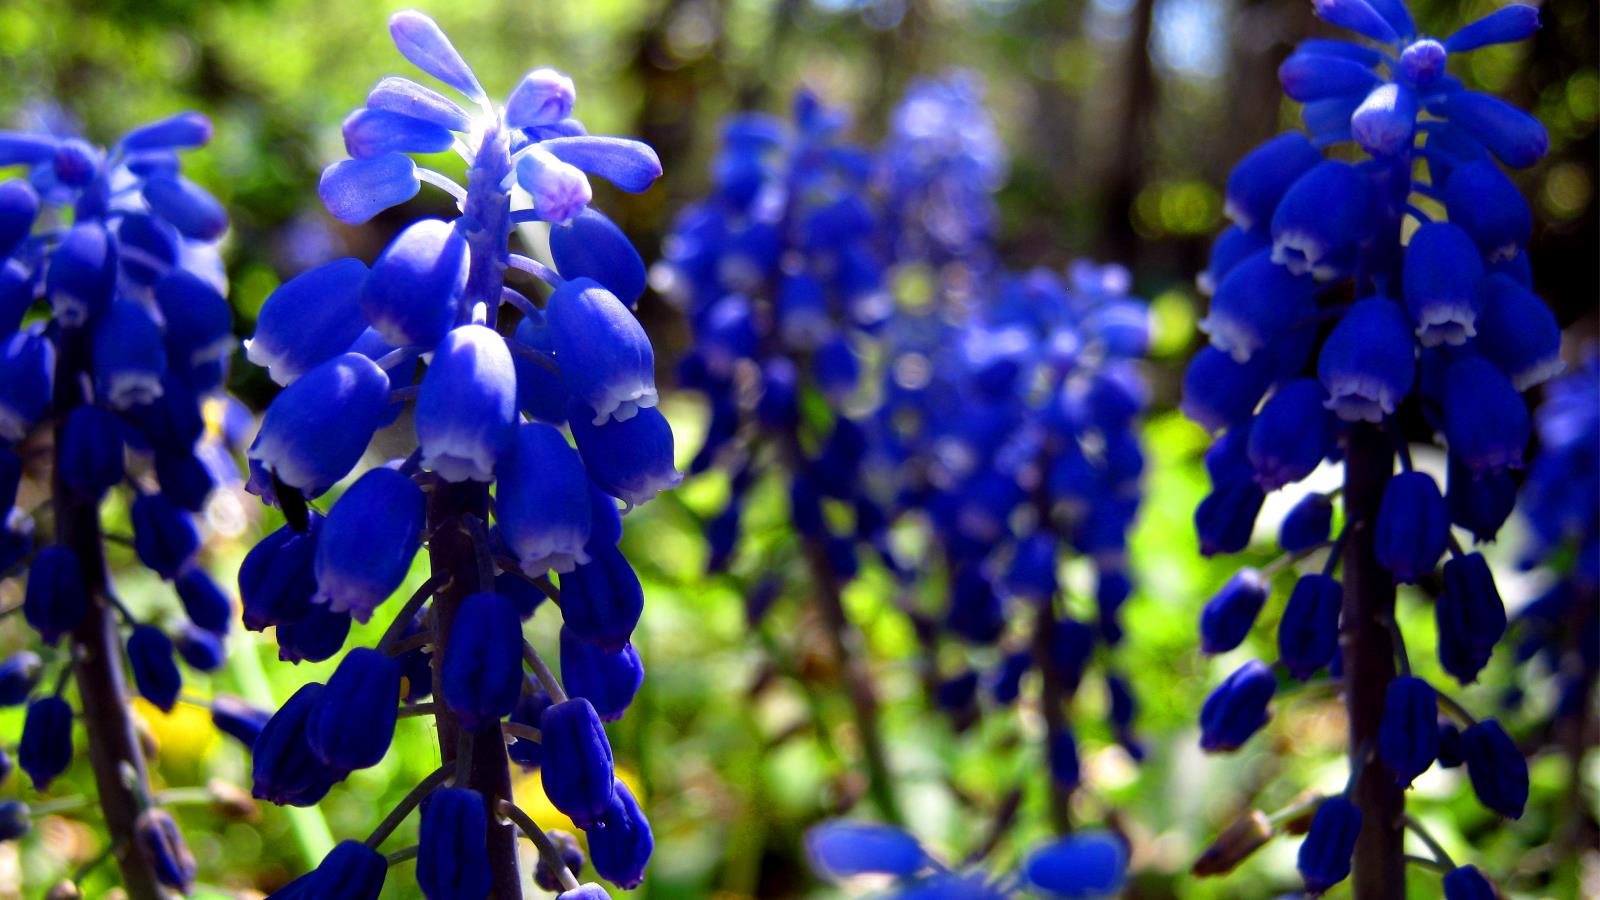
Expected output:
{"points": [[1122, 117]]}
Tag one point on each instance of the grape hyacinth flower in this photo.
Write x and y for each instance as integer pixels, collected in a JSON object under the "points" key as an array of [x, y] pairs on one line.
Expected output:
{"points": [[540, 394], [855, 333], [1360, 306], [115, 337]]}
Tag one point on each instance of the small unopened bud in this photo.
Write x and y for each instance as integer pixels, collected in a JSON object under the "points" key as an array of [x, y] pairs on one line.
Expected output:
{"points": [[65, 889], [232, 802], [1234, 845]]}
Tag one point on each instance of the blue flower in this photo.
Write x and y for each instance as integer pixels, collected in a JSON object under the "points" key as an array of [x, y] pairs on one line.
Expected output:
{"points": [[1308, 633], [155, 673], [570, 854], [413, 293], [163, 535], [1408, 736], [1292, 433], [284, 768], [620, 847], [1325, 854], [1466, 882], [602, 599], [353, 720], [1413, 526], [1083, 865], [1229, 615], [1443, 273], [56, 598], [1499, 773], [162, 843], [1486, 423], [1471, 617], [543, 504], [309, 319], [607, 680], [19, 672], [91, 452], [1368, 364], [482, 674], [841, 849], [452, 861], [1237, 708], [366, 543], [314, 432], [1307, 524], [276, 578], [350, 870], [576, 768], [467, 409], [46, 747]]}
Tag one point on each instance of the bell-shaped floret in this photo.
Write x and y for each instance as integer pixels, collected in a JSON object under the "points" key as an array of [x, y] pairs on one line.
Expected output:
{"points": [[1258, 304], [314, 432], [27, 375], [1227, 617], [155, 672], [90, 455], [452, 857], [1386, 120], [309, 319], [1485, 420], [1408, 735], [19, 207], [1443, 271], [1307, 524], [367, 542], [1470, 615], [46, 747], [1325, 855], [1487, 205], [601, 600], [284, 768], [82, 274], [276, 578], [1413, 526], [630, 460], [592, 246], [189, 207], [542, 504], [413, 293], [1368, 363], [1084, 864], [467, 409], [1498, 771], [1519, 334], [1322, 221], [605, 357], [620, 848], [1292, 434]]}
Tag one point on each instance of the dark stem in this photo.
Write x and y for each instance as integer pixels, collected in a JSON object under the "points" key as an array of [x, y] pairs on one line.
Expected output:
{"points": [[1369, 666], [454, 557], [114, 752], [1052, 701]]}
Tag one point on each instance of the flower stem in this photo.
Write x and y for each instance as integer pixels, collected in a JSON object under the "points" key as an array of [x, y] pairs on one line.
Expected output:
{"points": [[114, 751], [1369, 666]]}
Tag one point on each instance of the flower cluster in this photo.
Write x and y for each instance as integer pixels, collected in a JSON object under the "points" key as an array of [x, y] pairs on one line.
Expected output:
{"points": [[1083, 864], [552, 403], [852, 325], [137, 334], [1357, 308], [119, 372]]}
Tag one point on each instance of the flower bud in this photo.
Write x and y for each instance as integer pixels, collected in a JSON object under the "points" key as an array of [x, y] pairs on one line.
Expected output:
{"points": [[1237, 708], [155, 672], [285, 769], [560, 190], [1449, 744], [1257, 305], [542, 97], [1413, 526], [542, 503], [238, 719], [46, 747], [1520, 334], [452, 857], [90, 455], [1485, 420], [19, 209], [608, 681], [1386, 121], [163, 846], [18, 674], [1467, 883], [204, 601], [366, 543], [276, 580], [27, 374], [592, 246], [313, 637], [200, 649], [15, 819], [1229, 615], [577, 768], [1443, 274], [1321, 222], [1499, 773], [1408, 735], [1085, 864], [1220, 392], [1326, 852], [1227, 516], [352, 723], [1479, 503], [544, 875], [482, 674], [1308, 524], [1308, 633], [163, 534], [601, 600], [1066, 769], [620, 848], [1260, 179], [1006, 681], [421, 40], [975, 612], [350, 871], [56, 598], [82, 275], [843, 849], [1237, 843], [1470, 616], [590, 891], [1485, 203]]}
